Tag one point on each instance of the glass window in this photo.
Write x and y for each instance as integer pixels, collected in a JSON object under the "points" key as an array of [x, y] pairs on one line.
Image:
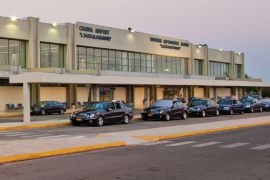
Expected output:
{"points": [[131, 62], [52, 55], [198, 67], [90, 59], [149, 63], [154, 63], [143, 63], [4, 52], [159, 64], [124, 61], [220, 70], [12, 52], [112, 60], [97, 54], [118, 61], [137, 62], [105, 60]]}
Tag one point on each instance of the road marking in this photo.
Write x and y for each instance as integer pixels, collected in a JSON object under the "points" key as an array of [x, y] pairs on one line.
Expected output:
{"points": [[181, 143], [262, 147], [234, 145], [36, 135], [57, 136], [19, 134], [10, 132], [156, 143], [206, 144]]}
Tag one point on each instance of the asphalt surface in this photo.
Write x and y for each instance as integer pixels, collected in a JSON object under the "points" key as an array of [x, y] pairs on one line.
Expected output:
{"points": [[93, 131], [34, 118], [242, 154]]}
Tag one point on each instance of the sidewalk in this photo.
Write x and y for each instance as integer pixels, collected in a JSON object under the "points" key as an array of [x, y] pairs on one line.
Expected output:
{"points": [[20, 113], [16, 150], [41, 124]]}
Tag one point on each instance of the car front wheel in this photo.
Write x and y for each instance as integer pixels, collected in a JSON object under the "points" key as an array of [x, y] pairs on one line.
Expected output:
{"points": [[167, 117], [203, 114], [100, 121], [184, 115], [125, 119], [43, 112], [62, 111]]}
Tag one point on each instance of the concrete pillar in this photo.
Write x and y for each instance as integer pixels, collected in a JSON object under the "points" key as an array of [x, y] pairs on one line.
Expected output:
{"points": [[232, 66], [72, 95], [206, 61], [215, 93], [147, 95], [26, 103], [185, 92], [33, 50], [260, 92], [35, 93], [206, 92], [70, 60], [96, 93]]}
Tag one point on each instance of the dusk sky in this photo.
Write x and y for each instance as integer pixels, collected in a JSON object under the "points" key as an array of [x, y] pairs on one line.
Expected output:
{"points": [[240, 25]]}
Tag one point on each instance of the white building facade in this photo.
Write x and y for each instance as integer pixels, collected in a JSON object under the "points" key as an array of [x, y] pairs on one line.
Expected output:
{"points": [[77, 63]]}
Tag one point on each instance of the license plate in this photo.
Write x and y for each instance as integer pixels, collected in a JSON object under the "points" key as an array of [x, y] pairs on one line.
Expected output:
{"points": [[78, 119], [150, 114]]}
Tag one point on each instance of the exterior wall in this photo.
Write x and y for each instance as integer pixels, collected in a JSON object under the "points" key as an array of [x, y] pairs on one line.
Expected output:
{"points": [[160, 93], [82, 94], [223, 92], [199, 92], [10, 95], [138, 97], [120, 94], [124, 40], [53, 93], [15, 30], [219, 56], [48, 33]]}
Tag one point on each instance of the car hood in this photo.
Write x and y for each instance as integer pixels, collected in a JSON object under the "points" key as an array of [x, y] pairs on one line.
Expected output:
{"points": [[157, 108], [201, 106], [225, 105], [85, 112]]}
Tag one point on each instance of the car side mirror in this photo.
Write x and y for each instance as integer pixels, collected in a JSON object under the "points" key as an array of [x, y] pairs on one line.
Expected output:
{"points": [[108, 109]]}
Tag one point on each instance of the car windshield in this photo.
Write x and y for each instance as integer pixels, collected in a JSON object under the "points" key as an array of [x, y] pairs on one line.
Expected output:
{"points": [[246, 101], [198, 103], [41, 103], [225, 102], [265, 100], [163, 103], [96, 106]]}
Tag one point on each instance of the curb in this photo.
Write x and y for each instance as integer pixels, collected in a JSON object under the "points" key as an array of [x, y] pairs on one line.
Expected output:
{"points": [[32, 126], [21, 114], [23, 157], [200, 132]]}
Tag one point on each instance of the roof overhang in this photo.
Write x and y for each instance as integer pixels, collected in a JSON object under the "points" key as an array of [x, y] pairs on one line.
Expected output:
{"points": [[51, 78]]}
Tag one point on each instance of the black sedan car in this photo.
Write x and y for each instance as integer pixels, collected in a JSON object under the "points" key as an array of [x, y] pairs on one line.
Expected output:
{"points": [[99, 113], [203, 107], [230, 106], [165, 110], [265, 103], [48, 107], [251, 105]]}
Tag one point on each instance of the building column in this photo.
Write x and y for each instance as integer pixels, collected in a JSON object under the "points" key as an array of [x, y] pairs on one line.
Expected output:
{"points": [[26, 103], [260, 92], [147, 96], [33, 58], [35, 93], [215, 93], [72, 95], [96, 93], [207, 92]]}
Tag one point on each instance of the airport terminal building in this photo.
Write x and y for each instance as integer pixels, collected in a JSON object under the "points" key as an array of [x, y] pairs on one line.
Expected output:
{"points": [[77, 63]]}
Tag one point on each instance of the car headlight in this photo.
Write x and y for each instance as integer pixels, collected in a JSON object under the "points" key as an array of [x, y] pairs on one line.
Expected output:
{"points": [[90, 116], [72, 115], [161, 112], [266, 105], [226, 108], [198, 109], [248, 106]]}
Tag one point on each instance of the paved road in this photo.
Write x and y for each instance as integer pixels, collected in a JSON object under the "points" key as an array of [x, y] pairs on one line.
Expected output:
{"points": [[242, 154], [93, 131]]}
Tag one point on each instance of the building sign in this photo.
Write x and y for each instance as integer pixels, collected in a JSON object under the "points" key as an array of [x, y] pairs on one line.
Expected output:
{"points": [[165, 43], [94, 33]]}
